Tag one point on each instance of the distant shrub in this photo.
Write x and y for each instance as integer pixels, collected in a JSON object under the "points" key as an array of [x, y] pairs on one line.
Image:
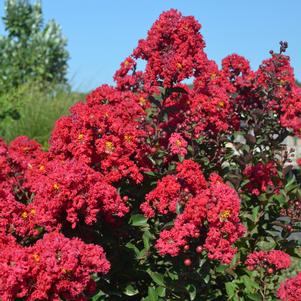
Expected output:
{"points": [[37, 110], [30, 51]]}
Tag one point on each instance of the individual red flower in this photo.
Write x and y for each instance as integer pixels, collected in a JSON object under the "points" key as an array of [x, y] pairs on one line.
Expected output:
{"points": [[177, 145]]}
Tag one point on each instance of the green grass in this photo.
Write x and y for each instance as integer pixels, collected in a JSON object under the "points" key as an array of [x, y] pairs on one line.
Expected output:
{"points": [[38, 112]]}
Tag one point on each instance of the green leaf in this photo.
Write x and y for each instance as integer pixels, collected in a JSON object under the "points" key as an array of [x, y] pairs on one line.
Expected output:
{"points": [[181, 158], [230, 289], [255, 297], [168, 225], [207, 279], [161, 291], [152, 294], [291, 184], [150, 173], [255, 212], [156, 277], [131, 246], [221, 268], [138, 220], [130, 291], [146, 238], [99, 296], [191, 289], [250, 284], [173, 275], [267, 245]]}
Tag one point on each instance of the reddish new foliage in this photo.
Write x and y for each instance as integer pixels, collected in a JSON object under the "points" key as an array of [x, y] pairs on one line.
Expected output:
{"points": [[275, 259], [290, 290]]}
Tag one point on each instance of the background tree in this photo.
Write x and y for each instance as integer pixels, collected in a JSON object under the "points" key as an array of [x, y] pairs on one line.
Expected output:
{"points": [[30, 51]]}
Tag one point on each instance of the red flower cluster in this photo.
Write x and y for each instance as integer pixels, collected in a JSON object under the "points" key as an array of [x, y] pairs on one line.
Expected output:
{"points": [[38, 192], [192, 203], [223, 221], [280, 85], [173, 50], [219, 99], [275, 259], [272, 88], [41, 193], [104, 133], [262, 177], [290, 290], [54, 268], [286, 95]]}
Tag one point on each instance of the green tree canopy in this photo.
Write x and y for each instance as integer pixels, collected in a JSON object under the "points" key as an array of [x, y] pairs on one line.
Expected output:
{"points": [[31, 50]]}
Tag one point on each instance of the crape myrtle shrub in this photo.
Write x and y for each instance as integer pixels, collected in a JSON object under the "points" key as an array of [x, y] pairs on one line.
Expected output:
{"points": [[158, 190]]}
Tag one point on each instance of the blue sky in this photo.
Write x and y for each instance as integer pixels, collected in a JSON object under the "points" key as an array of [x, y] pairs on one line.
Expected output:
{"points": [[102, 33]]}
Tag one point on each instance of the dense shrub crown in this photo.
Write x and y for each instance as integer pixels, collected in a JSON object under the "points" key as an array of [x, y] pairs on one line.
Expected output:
{"points": [[184, 186]]}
